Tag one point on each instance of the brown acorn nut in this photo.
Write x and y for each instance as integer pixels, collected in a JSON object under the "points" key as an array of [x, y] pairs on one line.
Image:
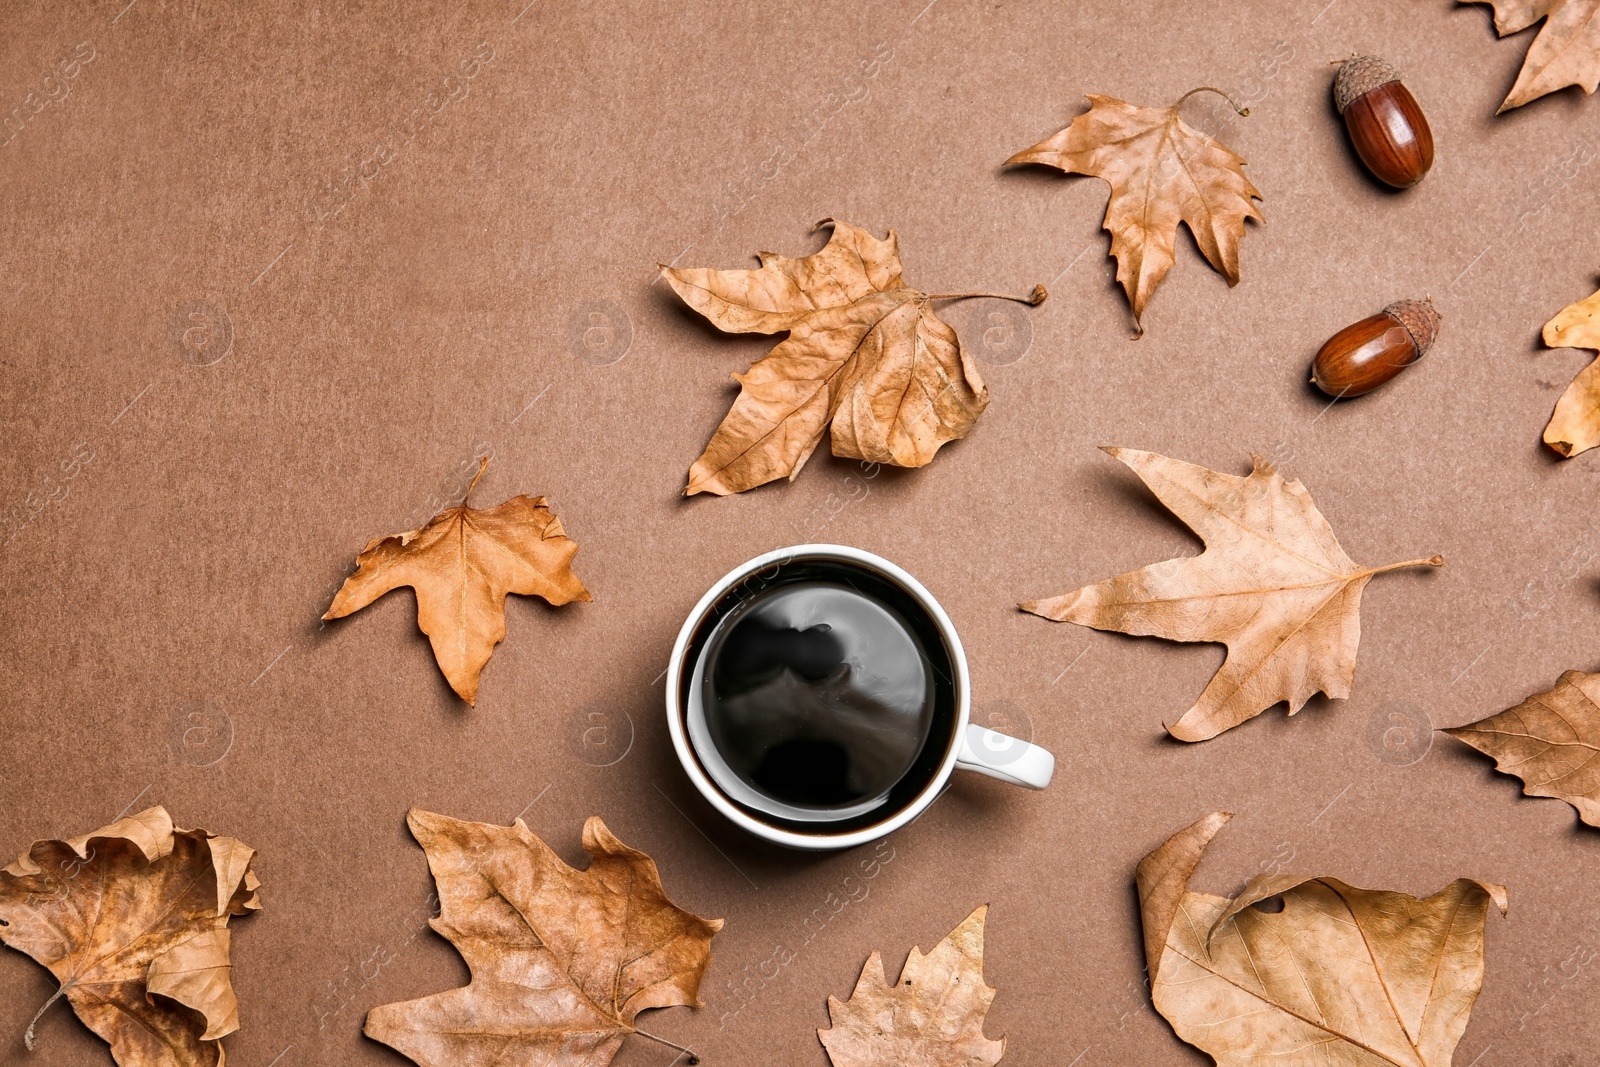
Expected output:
{"points": [[1364, 355], [1385, 123]]}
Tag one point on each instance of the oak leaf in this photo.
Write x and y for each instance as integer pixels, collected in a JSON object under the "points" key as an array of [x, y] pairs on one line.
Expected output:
{"points": [[866, 358], [1304, 972], [561, 960], [932, 1017], [1565, 52], [462, 564], [132, 919], [1551, 741], [1272, 584], [1575, 424], [1162, 172]]}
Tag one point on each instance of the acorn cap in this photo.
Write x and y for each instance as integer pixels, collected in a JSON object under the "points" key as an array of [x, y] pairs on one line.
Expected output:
{"points": [[1420, 319], [1358, 76]]}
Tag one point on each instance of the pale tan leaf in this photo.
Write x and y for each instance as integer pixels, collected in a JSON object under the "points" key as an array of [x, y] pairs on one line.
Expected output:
{"points": [[562, 960], [462, 565], [1162, 172], [1272, 584], [932, 1017], [866, 358], [1551, 741], [1566, 51], [1575, 424], [1358, 977], [129, 912]]}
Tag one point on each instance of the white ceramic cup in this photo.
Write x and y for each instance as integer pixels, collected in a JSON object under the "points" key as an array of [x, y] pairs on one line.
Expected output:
{"points": [[965, 746]]}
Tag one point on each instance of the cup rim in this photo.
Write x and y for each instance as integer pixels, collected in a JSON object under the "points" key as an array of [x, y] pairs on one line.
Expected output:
{"points": [[676, 713]]}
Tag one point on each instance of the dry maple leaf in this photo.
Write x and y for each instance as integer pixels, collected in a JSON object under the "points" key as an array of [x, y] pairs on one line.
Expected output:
{"points": [[132, 919], [932, 1017], [1335, 975], [1575, 424], [1162, 172], [462, 564], [1550, 741], [1566, 51], [1273, 585], [865, 356], [561, 959]]}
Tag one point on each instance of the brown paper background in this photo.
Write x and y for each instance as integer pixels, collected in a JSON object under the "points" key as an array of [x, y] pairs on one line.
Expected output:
{"points": [[189, 523]]}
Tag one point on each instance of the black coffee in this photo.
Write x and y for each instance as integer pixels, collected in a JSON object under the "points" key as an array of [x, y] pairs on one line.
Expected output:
{"points": [[822, 694]]}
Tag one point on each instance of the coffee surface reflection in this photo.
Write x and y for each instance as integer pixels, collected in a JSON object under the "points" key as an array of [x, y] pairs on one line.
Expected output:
{"points": [[817, 696]]}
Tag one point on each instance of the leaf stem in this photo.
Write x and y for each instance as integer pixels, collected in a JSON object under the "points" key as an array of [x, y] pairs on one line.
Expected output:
{"points": [[689, 1052], [483, 465], [1431, 561], [1033, 299], [1211, 89], [27, 1037]]}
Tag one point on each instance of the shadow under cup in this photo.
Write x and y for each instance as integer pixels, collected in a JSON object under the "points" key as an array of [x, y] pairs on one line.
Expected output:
{"points": [[819, 695]]}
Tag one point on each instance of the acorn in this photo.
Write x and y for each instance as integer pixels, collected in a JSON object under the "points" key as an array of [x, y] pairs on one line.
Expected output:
{"points": [[1385, 122], [1364, 355]]}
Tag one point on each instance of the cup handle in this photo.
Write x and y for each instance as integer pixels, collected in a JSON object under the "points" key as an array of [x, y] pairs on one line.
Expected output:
{"points": [[1006, 758]]}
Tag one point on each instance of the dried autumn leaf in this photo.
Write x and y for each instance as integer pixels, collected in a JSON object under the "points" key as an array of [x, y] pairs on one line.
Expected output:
{"points": [[1272, 584], [1162, 172], [132, 919], [1336, 975], [1550, 741], [1575, 424], [865, 356], [932, 1017], [462, 564], [561, 959], [1566, 51]]}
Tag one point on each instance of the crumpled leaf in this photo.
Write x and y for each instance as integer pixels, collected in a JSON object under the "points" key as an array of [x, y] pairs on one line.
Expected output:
{"points": [[1162, 172], [932, 1017], [1550, 741], [132, 920], [865, 357], [1272, 584], [562, 960], [462, 564], [1337, 975], [1565, 52], [1575, 424]]}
